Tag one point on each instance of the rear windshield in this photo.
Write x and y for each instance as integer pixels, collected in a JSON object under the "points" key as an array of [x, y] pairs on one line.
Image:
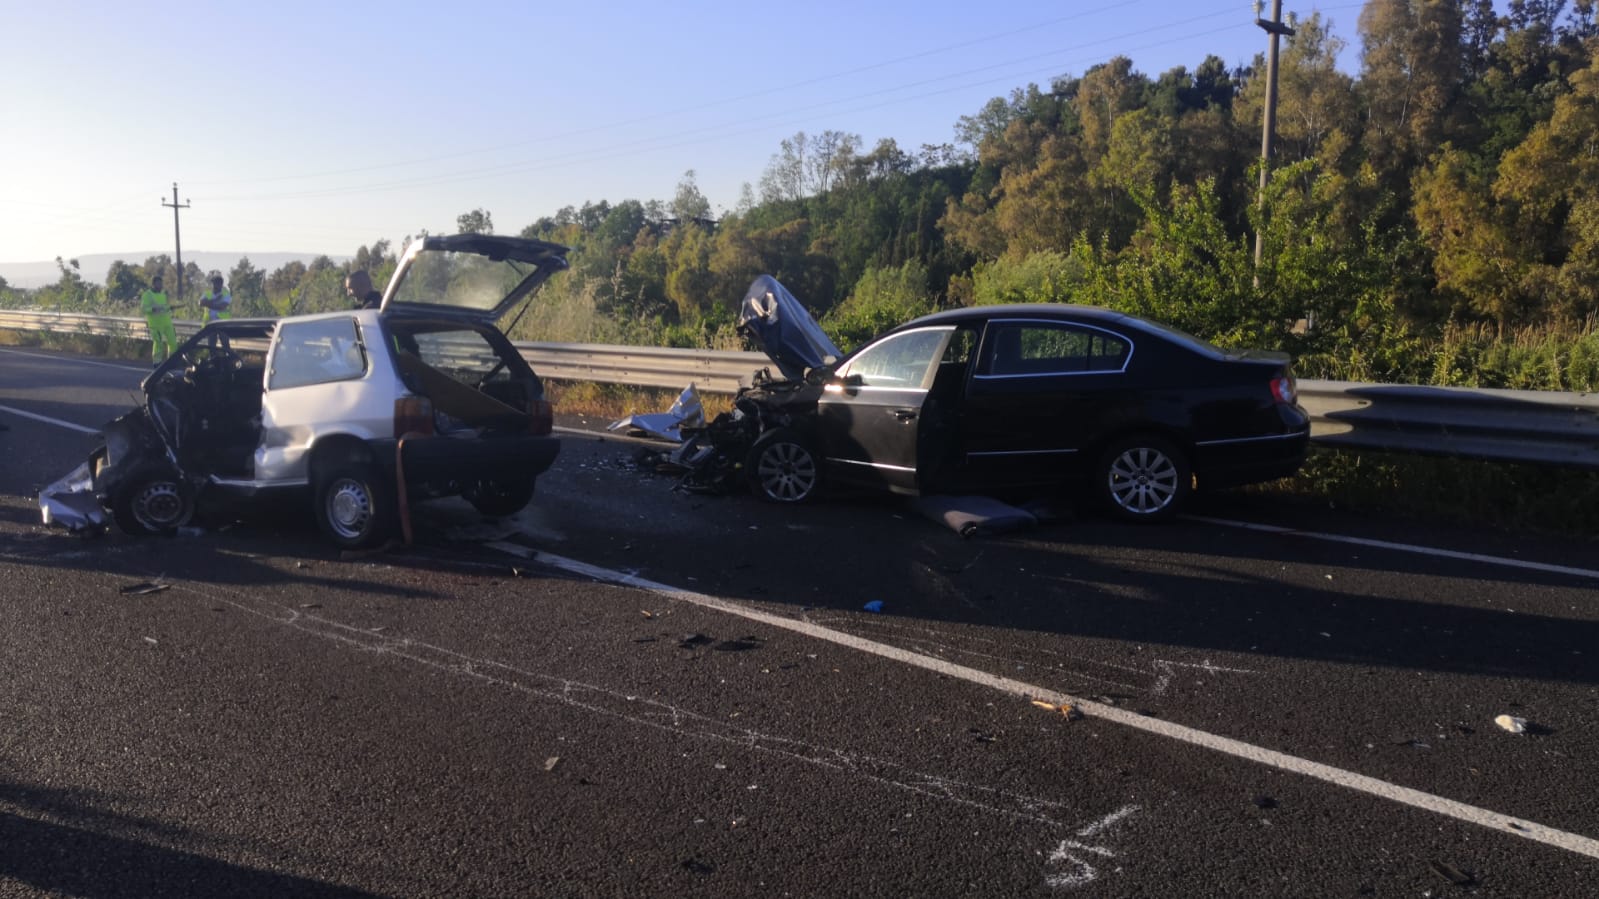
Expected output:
{"points": [[461, 280]]}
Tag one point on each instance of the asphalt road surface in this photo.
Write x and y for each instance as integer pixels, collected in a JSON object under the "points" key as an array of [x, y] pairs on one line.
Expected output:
{"points": [[630, 690]]}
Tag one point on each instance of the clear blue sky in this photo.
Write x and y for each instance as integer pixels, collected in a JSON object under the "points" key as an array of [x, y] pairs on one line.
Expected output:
{"points": [[320, 127]]}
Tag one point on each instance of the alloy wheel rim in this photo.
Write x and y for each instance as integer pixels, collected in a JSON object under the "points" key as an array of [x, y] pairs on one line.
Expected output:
{"points": [[1143, 480], [787, 472]]}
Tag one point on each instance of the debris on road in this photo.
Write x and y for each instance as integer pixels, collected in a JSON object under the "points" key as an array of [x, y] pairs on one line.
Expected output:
{"points": [[974, 516], [1452, 874], [875, 605], [551, 762], [686, 412], [142, 589], [1512, 724]]}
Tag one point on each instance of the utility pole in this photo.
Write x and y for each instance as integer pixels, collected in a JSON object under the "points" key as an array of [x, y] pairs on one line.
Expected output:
{"points": [[1274, 27], [178, 239]]}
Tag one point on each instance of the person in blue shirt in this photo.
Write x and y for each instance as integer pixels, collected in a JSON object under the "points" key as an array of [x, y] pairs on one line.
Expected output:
{"points": [[218, 303]]}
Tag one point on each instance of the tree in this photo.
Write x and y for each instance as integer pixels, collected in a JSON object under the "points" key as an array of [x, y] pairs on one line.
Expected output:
{"points": [[1412, 66], [248, 286], [122, 283], [477, 221], [688, 204]]}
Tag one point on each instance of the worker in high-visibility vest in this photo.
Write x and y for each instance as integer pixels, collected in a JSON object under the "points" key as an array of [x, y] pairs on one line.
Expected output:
{"points": [[157, 311], [217, 304]]}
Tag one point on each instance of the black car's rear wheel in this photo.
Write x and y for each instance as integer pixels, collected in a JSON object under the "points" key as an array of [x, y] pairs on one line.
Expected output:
{"points": [[354, 506], [782, 468], [500, 497], [155, 499], [1143, 478]]}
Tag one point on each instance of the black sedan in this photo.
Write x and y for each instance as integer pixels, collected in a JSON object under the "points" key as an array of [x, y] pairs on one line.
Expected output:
{"points": [[1006, 400]]}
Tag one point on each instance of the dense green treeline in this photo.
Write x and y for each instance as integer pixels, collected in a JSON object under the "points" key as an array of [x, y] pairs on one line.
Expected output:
{"points": [[1433, 217]]}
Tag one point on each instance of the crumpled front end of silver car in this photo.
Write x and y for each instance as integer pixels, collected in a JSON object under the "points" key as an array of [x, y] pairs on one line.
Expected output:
{"points": [[72, 503]]}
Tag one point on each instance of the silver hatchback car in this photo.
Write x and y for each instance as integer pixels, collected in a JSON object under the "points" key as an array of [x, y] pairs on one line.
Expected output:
{"points": [[367, 410]]}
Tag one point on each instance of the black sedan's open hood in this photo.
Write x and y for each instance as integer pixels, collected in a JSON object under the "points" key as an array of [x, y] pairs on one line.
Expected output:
{"points": [[778, 324]]}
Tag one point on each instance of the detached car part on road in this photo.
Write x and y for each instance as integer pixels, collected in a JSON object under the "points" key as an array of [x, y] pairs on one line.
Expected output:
{"points": [[366, 410], [1009, 400]]}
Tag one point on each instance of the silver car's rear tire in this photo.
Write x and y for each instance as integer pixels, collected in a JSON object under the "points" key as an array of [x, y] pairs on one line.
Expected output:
{"points": [[354, 506]]}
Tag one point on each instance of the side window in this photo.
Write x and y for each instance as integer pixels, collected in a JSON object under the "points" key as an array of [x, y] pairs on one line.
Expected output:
{"points": [[902, 361], [1044, 348], [317, 352]]}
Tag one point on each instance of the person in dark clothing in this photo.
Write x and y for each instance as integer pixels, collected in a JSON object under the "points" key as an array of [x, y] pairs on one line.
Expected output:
{"points": [[358, 286]]}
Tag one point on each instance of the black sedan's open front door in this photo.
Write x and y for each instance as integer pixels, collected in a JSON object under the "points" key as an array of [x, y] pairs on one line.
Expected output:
{"points": [[872, 414]]}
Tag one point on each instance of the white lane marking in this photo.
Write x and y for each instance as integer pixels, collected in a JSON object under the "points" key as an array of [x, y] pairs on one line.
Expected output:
{"points": [[1360, 783], [143, 369], [11, 410], [1400, 547]]}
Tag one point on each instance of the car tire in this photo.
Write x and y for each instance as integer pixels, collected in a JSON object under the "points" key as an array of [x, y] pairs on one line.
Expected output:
{"points": [[354, 507], [152, 500], [1143, 478], [499, 498], [782, 468]]}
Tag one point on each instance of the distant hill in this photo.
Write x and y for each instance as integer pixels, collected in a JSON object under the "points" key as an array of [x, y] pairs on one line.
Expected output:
{"points": [[95, 266]]}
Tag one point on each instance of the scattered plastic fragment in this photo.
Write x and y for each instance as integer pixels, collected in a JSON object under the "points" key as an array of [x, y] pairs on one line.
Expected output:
{"points": [[1452, 874], [1264, 802], [142, 589], [551, 762], [152, 641], [875, 605], [1049, 706], [1071, 712], [646, 613], [1512, 724]]}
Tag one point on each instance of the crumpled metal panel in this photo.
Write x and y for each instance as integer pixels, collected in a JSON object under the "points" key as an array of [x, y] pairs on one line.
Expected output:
{"points": [[686, 412], [71, 503]]}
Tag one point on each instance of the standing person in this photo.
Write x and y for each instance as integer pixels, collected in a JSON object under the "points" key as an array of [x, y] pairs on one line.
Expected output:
{"points": [[157, 310], [218, 303], [358, 286]]}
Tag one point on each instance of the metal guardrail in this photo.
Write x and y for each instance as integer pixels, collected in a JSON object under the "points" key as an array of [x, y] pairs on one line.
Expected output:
{"points": [[1474, 423]]}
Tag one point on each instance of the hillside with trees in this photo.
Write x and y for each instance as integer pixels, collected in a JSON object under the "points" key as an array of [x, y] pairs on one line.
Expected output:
{"points": [[1430, 218]]}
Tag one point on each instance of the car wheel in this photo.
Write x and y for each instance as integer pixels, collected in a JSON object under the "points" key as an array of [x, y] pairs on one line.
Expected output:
{"points": [[782, 469], [354, 507], [499, 498], [153, 500], [1143, 478]]}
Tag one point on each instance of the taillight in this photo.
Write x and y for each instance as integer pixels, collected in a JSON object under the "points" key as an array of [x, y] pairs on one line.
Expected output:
{"points": [[1284, 390], [541, 418], [413, 415]]}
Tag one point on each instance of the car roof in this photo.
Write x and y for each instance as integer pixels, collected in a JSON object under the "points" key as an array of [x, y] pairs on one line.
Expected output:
{"points": [[1064, 311]]}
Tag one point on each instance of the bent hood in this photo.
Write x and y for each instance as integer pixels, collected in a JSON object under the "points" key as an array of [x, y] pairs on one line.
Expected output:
{"points": [[779, 326]]}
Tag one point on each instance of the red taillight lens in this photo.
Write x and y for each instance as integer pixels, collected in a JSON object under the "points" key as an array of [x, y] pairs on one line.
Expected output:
{"points": [[1284, 390], [541, 418], [413, 415]]}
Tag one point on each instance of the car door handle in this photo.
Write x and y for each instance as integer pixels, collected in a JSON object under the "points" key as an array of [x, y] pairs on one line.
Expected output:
{"points": [[905, 414]]}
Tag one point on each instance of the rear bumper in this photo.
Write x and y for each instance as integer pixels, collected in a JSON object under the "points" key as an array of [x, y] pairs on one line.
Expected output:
{"points": [[447, 459], [1250, 461]]}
